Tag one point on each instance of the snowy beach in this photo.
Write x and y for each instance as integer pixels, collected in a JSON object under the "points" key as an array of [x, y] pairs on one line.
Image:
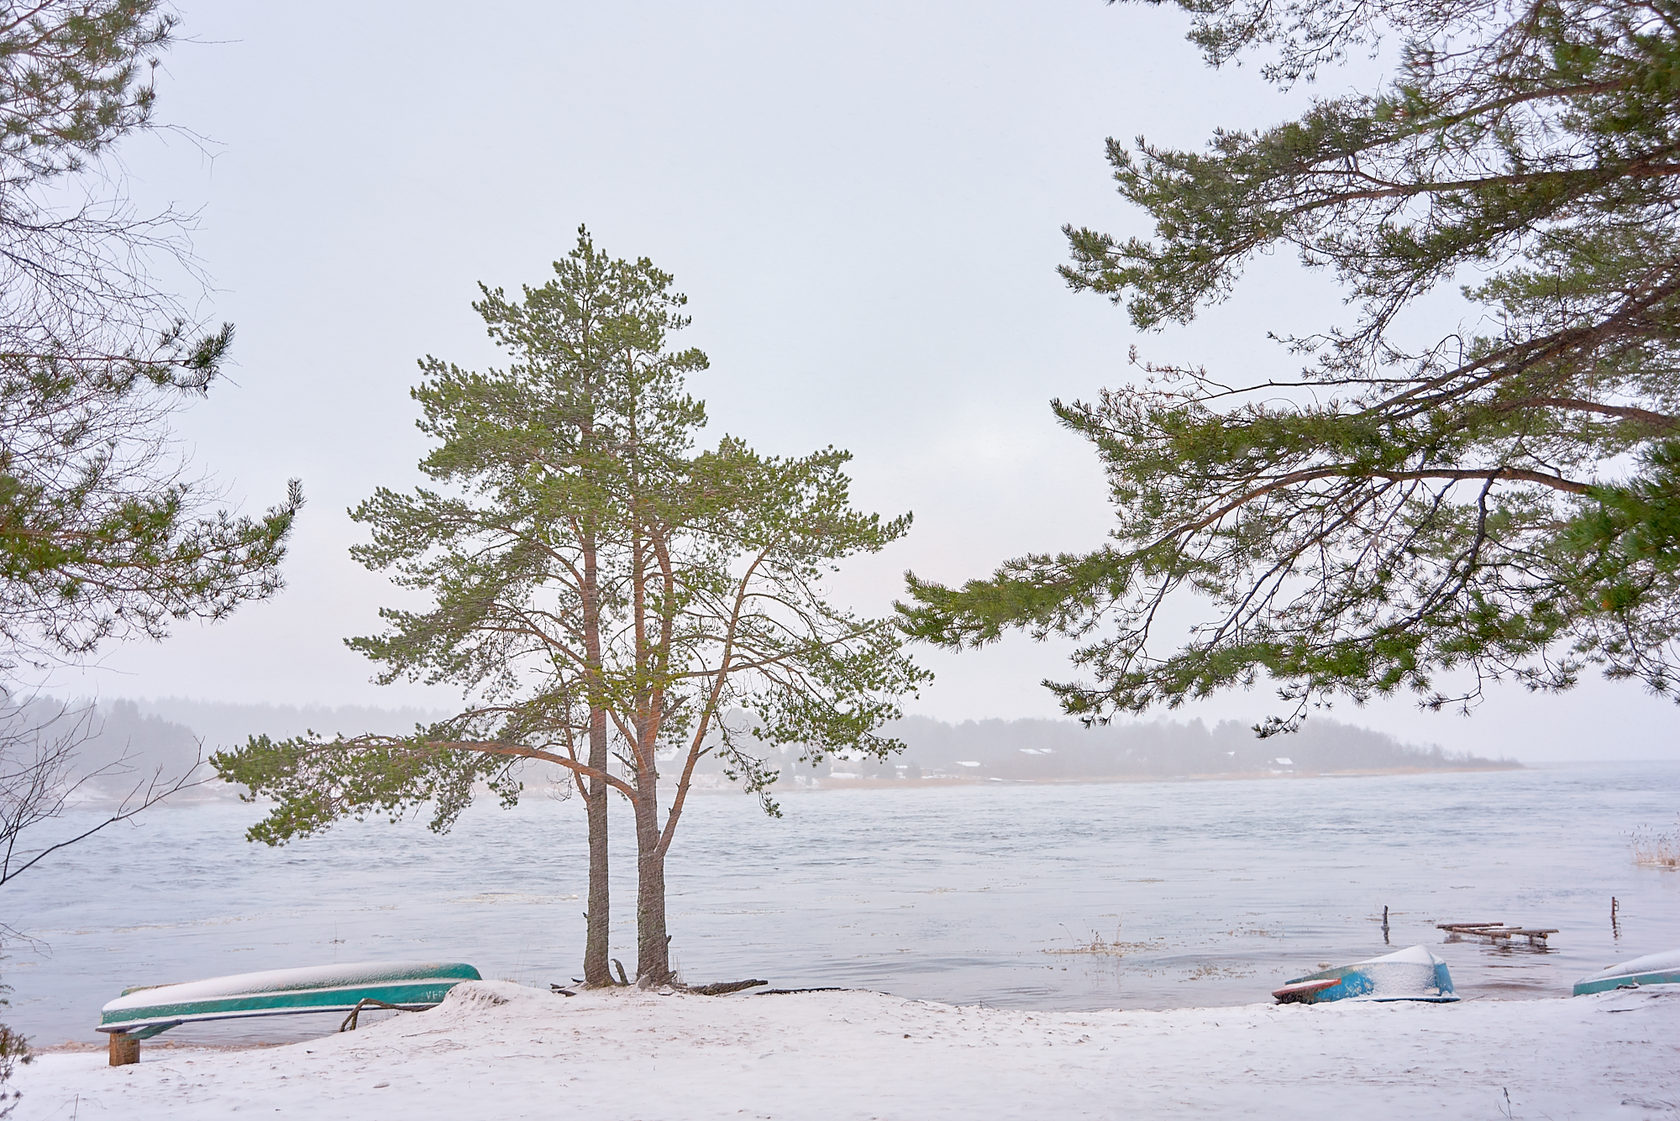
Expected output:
{"points": [[499, 1050]]}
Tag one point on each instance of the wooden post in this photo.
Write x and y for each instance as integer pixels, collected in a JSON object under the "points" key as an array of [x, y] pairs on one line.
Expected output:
{"points": [[124, 1049]]}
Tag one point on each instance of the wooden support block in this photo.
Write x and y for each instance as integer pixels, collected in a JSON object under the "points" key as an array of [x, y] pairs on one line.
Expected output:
{"points": [[124, 1049]]}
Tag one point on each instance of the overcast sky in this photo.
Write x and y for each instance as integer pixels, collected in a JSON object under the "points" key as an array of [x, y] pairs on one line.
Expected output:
{"points": [[863, 203]]}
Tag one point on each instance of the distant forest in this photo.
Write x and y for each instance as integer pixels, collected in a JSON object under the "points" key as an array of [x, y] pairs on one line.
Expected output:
{"points": [[131, 740], [1067, 750], [122, 742]]}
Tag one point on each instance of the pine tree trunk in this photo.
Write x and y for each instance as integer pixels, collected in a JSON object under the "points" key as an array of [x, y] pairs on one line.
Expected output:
{"points": [[653, 945], [598, 919], [598, 923]]}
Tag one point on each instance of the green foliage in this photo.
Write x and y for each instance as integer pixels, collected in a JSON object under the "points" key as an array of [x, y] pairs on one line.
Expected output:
{"points": [[583, 559], [316, 783], [1502, 501], [75, 76], [102, 534], [14, 1049]]}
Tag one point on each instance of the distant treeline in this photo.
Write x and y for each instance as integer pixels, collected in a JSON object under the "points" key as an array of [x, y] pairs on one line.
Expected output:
{"points": [[121, 742], [131, 739], [221, 724], [1066, 749], [105, 749]]}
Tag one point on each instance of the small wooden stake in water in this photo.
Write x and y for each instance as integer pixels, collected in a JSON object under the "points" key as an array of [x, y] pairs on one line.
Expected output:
{"points": [[1615, 927], [1385, 924], [123, 1049]]}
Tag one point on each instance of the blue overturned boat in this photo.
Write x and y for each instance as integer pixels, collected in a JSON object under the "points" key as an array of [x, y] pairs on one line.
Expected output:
{"points": [[1410, 974], [1652, 969]]}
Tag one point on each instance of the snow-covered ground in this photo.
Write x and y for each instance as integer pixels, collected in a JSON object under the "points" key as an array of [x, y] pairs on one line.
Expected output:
{"points": [[499, 1050]]}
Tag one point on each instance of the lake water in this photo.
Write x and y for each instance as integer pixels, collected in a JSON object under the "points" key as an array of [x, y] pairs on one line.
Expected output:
{"points": [[1206, 893]]}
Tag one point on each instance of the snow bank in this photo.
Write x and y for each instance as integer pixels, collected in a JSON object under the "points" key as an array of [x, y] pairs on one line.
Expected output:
{"points": [[499, 1050]]}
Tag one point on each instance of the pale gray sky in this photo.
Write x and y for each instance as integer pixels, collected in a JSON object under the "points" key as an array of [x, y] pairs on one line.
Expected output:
{"points": [[862, 201]]}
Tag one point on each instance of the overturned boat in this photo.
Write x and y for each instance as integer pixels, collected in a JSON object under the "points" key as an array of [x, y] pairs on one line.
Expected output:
{"points": [[1410, 974], [148, 1010], [1652, 969]]}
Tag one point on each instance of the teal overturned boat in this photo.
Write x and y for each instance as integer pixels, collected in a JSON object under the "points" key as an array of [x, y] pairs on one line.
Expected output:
{"points": [[1652, 969], [144, 1012], [1410, 974]]}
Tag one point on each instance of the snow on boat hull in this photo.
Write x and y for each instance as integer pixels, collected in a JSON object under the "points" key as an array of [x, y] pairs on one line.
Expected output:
{"points": [[1652, 969], [332, 988], [1410, 974]]}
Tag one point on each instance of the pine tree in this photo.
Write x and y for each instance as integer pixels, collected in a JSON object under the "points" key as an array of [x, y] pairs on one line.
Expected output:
{"points": [[1503, 500], [105, 536], [603, 593]]}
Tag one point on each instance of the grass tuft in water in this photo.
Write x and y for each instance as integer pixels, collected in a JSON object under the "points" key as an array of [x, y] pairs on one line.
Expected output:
{"points": [[1102, 947], [1652, 849]]}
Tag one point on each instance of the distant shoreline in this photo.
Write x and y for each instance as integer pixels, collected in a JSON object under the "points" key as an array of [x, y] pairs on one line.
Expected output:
{"points": [[822, 784], [218, 792]]}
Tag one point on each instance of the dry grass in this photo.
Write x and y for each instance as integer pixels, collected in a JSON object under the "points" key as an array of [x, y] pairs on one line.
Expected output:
{"points": [[1104, 947], [1656, 850]]}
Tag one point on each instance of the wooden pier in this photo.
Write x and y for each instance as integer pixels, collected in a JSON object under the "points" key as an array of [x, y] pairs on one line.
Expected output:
{"points": [[1497, 933]]}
